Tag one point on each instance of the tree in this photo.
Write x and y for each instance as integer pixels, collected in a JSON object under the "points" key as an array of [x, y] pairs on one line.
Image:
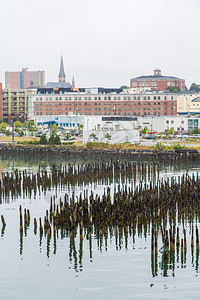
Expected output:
{"points": [[30, 125], [124, 87], [43, 140], [53, 129], [53, 134], [17, 124], [3, 127], [173, 89], [52, 139], [93, 136], [80, 127], [194, 87], [57, 140], [107, 137], [144, 130], [170, 131]]}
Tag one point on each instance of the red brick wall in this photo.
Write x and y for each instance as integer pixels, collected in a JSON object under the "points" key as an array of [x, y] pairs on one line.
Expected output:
{"points": [[160, 85], [130, 107]]}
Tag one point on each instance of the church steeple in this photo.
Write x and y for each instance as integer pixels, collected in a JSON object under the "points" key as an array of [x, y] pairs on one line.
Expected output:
{"points": [[61, 76], [73, 82]]}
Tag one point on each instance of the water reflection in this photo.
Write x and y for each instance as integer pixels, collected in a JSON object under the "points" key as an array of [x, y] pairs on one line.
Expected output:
{"points": [[166, 211]]}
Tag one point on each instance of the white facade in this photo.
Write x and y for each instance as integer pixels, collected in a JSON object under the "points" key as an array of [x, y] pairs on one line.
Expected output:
{"points": [[159, 124], [162, 124], [109, 123], [116, 136], [121, 129]]}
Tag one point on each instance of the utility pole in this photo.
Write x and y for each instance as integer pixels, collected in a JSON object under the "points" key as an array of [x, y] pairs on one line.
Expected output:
{"points": [[13, 141]]}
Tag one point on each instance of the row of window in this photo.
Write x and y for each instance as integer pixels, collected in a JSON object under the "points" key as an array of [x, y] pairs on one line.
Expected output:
{"points": [[104, 98], [172, 122], [106, 103], [105, 114]]}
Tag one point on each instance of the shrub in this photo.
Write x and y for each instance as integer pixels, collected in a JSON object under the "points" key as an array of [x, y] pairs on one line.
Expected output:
{"points": [[8, 133], [21, 133], [178, 147], [68, 135], [159, 146], [34, 142]]}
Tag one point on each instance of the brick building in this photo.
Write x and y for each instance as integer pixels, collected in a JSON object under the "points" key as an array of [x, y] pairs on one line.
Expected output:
{"points": [[1, 109], [157, 82], [101, 102], [24, 79]]}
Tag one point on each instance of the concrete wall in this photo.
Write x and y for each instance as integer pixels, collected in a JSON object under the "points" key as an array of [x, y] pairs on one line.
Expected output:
{"points": [[117, 136]]}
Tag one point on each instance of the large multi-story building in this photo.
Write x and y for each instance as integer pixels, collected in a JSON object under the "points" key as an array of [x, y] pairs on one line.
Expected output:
{"points": [[24, 79], [14, 104], [188, 103], [1, 111], [157, 82], [101, 102]]}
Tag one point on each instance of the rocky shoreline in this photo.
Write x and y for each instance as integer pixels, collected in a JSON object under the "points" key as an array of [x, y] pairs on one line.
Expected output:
{"points": [[85, 152]]}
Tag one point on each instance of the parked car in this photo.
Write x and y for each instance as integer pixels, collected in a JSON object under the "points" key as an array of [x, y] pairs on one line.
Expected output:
{"points": [[183, 136], [39, 134], [149, 136]]}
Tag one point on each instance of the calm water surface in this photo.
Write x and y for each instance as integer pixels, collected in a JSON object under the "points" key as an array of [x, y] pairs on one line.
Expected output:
{"points": [[115, 267]]}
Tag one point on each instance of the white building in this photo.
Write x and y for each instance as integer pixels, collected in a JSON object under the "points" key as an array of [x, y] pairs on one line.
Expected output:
{"points": [[120, 129], [162, 124]]}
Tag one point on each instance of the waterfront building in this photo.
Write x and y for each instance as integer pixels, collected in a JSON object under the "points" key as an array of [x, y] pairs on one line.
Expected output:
{"points": [[100, 101], [14, 104], [24, 79], [115, 129], [157, 82], [68, 122], [152, 123]]}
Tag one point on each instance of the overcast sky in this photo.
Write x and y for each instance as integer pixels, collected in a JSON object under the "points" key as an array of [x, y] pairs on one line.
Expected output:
{"points": [[104, 43]]}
